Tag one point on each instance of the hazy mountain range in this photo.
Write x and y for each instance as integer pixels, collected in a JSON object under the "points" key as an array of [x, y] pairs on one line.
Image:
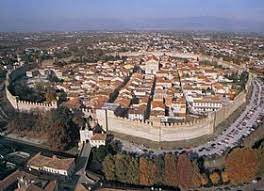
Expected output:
{"points": [[179, 24]]}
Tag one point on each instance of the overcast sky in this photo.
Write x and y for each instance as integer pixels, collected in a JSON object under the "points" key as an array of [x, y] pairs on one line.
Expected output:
{"points": [[16, 14]]}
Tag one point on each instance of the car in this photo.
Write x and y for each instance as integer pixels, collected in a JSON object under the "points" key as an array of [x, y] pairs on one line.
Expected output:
{"points": [[254, 181], [227, 188]]}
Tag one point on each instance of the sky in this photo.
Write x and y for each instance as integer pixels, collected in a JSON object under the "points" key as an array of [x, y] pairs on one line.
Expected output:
{"points": [[25, 15]]}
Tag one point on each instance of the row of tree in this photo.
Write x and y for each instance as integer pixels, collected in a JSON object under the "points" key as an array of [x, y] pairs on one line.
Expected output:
{"points": [[241, 166], [166, 170]]}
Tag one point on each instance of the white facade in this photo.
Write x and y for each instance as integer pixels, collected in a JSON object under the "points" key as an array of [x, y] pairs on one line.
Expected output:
{"points": [[50, 170], [206, 106], [97, 143], [134, 116], [151, 67], [85, 135]]}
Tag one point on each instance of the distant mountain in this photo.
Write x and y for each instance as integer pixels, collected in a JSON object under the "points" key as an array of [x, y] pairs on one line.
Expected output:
{"points": [[204, 23], [192, 23], [180, 24]]}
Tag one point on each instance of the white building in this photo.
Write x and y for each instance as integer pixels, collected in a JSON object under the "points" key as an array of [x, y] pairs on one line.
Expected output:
{"points": [[51, 165], [98, 139], [151, 66], [94, 139], [206, 105]]}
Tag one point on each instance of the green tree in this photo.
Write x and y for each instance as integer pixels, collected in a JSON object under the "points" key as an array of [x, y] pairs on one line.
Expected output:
{"points": [[2, 164], [121, 166], [109, 169], [100, 153], [260, 155], [159, 163], [133, 170]]}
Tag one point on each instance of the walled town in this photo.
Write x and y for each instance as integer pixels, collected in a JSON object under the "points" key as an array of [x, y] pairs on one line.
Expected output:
{"points": [[141, 110]]}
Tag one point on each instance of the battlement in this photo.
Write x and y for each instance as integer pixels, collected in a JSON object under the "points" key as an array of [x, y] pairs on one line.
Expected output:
{"points": [[155, 130], [147, 122], [37, 104], [186, 124], [86, 110], [22, 105]]}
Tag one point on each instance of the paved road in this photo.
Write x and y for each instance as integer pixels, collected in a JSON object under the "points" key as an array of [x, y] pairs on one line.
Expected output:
{"points": [[81, 165], [245, 124], [31, 148], [83, 158], [247, 187]]}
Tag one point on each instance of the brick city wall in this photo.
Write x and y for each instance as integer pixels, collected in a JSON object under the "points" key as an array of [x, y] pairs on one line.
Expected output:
{"points": [[156, 131], [21, 105]]}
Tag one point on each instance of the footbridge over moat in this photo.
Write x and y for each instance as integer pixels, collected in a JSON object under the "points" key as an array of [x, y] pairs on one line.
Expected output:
{"points": [[81, 164]]}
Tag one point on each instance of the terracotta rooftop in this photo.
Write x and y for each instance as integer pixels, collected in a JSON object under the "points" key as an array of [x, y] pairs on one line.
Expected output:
{"points": [[53, 162], [151, 57], [98, 136], [124, 102], [73, 103], [157, 104]]}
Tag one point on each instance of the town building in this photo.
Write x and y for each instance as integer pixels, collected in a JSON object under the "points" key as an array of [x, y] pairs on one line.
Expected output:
{"points": [[51, 165]]}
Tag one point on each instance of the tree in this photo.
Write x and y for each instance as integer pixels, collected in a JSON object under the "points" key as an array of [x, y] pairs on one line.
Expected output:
{"points": [[143, 171], [2, 164], [159, 163], [64, 116], [185, 171], [57, 125], [22, 122], [241, 165], [225, 178], [196, 176], [147, 171], [121, 166], [109, 167], [62, 129], [215, 178], [100, 153], [2, 74], [50, 96], [58, 138], [170, 170], [133, 171], [260, 154], [204, 180], [188, 172]]}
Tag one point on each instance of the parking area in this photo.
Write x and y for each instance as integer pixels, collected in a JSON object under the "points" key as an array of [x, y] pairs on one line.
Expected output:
{"points": [[241, 128], [249, 120]]}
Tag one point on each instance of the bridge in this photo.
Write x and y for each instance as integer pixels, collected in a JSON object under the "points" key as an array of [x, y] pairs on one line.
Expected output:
{"points": [[81, 165]]}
